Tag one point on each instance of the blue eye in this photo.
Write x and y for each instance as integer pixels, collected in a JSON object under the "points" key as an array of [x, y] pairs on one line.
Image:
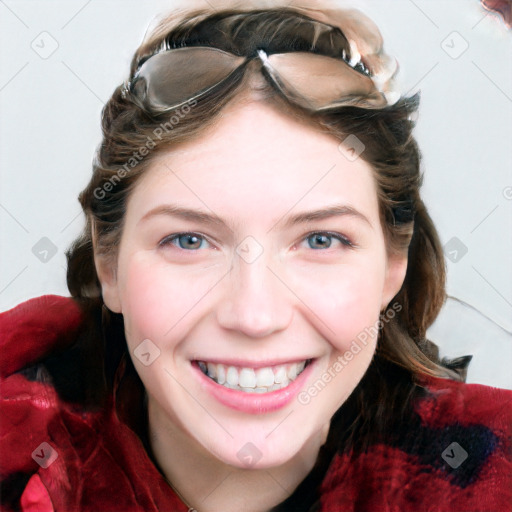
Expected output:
{"points": [[324, 240], [186, 241], [316, 241]]}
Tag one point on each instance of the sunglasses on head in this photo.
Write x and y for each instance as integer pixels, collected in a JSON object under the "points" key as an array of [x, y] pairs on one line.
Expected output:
{"points": [[173, 77]]}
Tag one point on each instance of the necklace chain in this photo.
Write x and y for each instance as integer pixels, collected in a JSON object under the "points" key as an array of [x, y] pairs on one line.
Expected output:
{"points": [[190, 509]]}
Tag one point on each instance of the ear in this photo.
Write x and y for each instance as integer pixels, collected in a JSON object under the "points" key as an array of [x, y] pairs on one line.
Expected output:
{"points": [[107, 275], [395, 275]]}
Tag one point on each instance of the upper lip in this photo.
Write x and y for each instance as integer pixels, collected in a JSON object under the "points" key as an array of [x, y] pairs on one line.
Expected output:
{"points": [[254, 364]]}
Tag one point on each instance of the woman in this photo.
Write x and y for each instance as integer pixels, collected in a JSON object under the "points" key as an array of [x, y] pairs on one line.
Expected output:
{"points": [[250, 295]]}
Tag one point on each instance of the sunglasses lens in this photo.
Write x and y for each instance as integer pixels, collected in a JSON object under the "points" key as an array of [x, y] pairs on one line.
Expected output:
{"points": [[328, 82], [171, 78]]}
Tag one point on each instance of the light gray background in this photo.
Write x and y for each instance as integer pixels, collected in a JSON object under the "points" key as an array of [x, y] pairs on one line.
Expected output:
{"points": [[50, 127]]}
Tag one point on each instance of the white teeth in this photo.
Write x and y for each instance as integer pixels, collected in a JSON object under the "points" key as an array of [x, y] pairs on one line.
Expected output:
{"points": [[264, 377], [232, 376], [247, 378], [280, 375], [212, 370], [260, 380], [221, 374], [292, 372]]}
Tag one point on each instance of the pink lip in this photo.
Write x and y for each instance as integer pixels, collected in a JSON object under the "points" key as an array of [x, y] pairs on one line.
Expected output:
{"points": [[253, 403]]}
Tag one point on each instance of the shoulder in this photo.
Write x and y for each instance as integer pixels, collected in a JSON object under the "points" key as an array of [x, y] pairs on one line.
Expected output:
{"points": [[35, 328], [482, 412], [454, 454], [31, 408]]}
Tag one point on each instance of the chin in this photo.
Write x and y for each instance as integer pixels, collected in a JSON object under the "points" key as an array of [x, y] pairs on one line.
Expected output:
{"points": [[259, 450]]}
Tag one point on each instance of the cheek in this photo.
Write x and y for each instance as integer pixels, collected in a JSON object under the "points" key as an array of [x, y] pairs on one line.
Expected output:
{"points": [[343, 301], [158, 300]]}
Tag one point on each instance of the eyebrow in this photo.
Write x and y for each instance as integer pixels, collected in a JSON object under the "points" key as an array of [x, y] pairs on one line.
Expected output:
{"points": [[326, 213], [214, 220], [184, 213]]}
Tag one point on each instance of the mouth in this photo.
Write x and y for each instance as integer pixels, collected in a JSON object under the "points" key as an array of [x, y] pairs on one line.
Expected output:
{"points": [[253, 380]]}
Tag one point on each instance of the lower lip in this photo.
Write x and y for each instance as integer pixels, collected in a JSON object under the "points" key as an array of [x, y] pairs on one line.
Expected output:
{"points": [[253, 403]]}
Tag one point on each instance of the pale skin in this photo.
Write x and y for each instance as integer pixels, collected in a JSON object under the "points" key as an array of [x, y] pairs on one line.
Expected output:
{"points": [[255, 169]]}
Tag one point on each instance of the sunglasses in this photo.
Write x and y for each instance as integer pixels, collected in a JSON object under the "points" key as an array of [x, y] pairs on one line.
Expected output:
{"points": [[169, 79]]}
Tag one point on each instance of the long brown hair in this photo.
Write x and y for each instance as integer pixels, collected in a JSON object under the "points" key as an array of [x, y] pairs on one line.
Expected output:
{"points": [[403, 355]]}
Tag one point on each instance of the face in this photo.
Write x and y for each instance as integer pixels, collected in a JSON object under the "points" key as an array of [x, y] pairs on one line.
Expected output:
{"points": [[254, 252]]}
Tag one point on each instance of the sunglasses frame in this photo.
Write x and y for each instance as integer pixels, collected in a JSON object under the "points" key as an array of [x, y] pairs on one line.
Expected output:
{"points": [[139, 88]]}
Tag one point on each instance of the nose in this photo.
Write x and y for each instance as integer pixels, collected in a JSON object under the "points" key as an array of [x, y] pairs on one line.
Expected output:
{"points": [[255, 301]]}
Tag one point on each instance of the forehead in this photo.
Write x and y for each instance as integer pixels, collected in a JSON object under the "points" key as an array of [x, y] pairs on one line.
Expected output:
{"points": [[257, 157]]}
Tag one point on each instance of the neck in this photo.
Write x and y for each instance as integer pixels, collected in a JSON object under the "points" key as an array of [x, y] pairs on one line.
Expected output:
{"points": [[207, 484]]}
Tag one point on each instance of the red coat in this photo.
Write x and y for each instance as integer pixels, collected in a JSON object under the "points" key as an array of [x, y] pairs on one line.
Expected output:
{"points": [[458, 457]]}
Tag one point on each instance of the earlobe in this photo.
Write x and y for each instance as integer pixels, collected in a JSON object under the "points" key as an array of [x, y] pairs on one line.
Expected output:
{"points": [[395, 276]]}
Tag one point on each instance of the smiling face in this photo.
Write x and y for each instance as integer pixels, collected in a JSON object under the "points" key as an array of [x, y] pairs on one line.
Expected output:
{"points": [[252, 252]]}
